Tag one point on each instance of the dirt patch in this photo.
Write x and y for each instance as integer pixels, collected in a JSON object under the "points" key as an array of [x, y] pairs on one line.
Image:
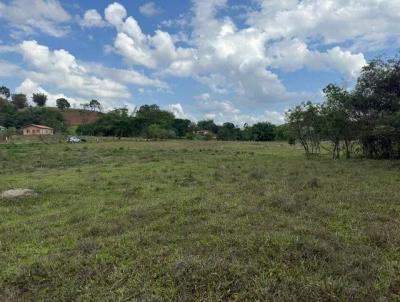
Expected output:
{"points": [[18, 193]]}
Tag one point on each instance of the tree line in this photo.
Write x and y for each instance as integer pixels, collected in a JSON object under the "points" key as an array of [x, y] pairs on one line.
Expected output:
{"points": [[16, 111], [363, 121], [150, 121]]}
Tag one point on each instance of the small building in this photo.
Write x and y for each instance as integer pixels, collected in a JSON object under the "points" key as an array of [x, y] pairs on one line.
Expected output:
{"points": [[37, 130], [204, 132], [2, 128]]}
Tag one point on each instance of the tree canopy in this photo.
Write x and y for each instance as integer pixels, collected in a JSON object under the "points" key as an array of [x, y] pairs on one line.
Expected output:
{"points": [[39, 99]]}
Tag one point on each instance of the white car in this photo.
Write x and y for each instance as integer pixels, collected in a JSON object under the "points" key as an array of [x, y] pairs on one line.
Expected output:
{"points": [[73, 140]]}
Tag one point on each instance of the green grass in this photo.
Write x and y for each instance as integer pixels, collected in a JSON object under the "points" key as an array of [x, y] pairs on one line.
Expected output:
{"points": [[196, 221]]}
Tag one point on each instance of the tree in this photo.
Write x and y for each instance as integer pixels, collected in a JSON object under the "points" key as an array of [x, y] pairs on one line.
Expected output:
{"points": [[208, 125], [95, 105], [282, 133], [304, 123], [63, 104], [5, 92], [156, 131], [228, 132], [39, 99], [19, 100], [181, 127], [152, 114], [263, 132]]}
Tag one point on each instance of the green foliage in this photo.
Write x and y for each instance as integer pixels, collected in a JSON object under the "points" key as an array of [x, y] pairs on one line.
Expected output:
{"points": [[228, 132], [39, 99], [156, 131], [149, 121], [63, 104], [263, 132], [5, 92], [207, 125], [10, 116], [19, 100], [367, 116], [305, 124], [182, 127], [95, 105]]}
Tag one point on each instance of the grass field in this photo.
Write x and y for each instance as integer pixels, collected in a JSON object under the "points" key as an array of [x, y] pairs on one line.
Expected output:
{"points": [[196, 221]]}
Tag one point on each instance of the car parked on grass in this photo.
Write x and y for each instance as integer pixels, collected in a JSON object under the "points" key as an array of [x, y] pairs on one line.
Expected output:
{"points": [[74, 140]]}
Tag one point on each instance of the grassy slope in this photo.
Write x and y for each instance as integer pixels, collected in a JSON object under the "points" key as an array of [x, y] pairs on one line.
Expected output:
{"points": [[196, 221]]}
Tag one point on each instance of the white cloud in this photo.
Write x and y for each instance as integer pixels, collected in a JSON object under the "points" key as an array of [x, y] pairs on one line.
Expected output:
{"points": [[61, 71], [115, 13], [370, 22], [92, 18], [26, 17], [30, 87], [224, 111], [154, 52], [126, 76], [61, 68], [178, 112], [231, 59], [8, 69], [149, 9]]}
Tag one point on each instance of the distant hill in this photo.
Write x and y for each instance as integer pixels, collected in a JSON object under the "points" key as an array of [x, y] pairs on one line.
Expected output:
{"points": [[76, 117]]}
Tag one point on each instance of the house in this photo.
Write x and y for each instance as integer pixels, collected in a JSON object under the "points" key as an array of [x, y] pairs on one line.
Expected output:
{"points": [[37, 130], [2, 128]]}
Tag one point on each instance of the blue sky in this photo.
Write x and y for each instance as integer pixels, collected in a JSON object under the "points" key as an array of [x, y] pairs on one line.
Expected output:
{"points": [[242, 61]]}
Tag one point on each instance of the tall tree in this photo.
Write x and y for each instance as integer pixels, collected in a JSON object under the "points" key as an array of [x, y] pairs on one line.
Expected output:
{"points": [[39, 99], [63, 104], [338, 125], [95, 105], [5, 92], [305, 124], [19, 100], [376, 107]]}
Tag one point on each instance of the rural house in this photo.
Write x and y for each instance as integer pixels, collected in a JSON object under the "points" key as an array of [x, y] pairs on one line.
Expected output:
{"points": [[37, 130], [2, 128]]}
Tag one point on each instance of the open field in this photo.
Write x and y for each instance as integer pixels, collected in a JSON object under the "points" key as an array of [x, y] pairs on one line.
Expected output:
{"points": [[202, 221]]}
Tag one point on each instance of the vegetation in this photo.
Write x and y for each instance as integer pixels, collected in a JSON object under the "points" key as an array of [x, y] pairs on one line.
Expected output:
{"points": [[196, 221], [362, 122], [367, 117], [150, 121], [39, 99], [63, 104]]}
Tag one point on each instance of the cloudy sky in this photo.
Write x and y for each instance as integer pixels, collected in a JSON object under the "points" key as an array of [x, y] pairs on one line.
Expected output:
{"points": [[227, 60]]}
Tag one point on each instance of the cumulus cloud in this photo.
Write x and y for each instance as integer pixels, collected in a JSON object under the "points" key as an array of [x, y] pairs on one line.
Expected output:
{"points": [[223, 111], [61, 68], [154, 52], [30, 87], [228, 58], [27, 17], [92, 18], [149, 9], [369, 22], [61, 71], [178, 112], [115, 13]]}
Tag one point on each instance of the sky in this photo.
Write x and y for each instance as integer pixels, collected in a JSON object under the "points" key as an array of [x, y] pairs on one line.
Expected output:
{"points": [[241, 61]]}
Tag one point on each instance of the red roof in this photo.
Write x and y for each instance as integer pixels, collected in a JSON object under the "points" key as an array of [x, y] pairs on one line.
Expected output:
{"points": [[37, 126]]}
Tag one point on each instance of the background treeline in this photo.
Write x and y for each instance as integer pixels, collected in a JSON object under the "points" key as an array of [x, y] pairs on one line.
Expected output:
{"points": [[16, 113], [365, 120], [150, 121]]}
